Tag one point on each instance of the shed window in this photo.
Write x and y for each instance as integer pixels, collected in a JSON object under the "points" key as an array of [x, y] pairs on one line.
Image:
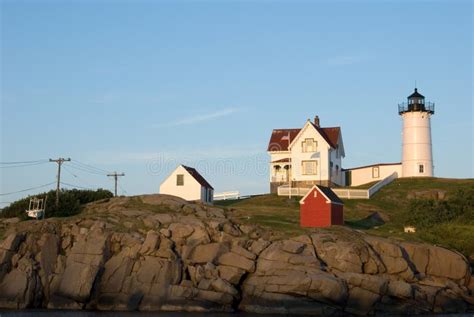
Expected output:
{"points": [[310, 167], [180, 180]]}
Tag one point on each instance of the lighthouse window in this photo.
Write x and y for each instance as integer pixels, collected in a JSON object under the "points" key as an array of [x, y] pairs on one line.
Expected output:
{"points": [[421, 168]]}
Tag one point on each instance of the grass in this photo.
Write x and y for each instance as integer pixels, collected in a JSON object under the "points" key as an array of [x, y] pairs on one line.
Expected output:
{"points": [[391, 204], [271, 211]]}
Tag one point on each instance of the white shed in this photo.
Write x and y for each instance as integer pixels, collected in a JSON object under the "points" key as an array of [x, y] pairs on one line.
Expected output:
{"points": [[187, 183]]}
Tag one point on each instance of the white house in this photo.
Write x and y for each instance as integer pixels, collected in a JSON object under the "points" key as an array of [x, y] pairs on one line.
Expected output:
{"points": [[187, 183], [308, 156]]}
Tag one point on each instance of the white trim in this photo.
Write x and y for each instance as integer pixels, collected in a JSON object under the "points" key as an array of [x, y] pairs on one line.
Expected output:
{"points": [[328, 201], [308, 122]]}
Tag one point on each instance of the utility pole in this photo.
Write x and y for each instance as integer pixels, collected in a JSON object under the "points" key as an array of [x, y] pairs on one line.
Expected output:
{"points": [[115, 175], [59, 161]]}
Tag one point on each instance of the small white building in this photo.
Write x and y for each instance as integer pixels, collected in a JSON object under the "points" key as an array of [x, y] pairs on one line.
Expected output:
{"points": [[371, 173], [187, 183]]}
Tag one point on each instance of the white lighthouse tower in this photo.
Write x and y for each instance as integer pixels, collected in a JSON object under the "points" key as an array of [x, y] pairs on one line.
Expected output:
{"points": [[417, 156]]}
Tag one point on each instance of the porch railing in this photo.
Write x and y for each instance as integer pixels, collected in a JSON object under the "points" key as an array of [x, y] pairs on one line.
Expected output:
{"points": [[346, 193]]}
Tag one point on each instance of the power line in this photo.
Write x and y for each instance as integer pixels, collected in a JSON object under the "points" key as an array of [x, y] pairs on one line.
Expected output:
{"points": [[122, 189], [86, 170], [28, 189], [25, 162], [77, 186], [76, 176], [91, 167], [22, 165]]}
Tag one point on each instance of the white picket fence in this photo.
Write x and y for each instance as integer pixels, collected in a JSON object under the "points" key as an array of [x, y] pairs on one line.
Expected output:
{"points": [[347, 193], [227, 195], [284, 190]]}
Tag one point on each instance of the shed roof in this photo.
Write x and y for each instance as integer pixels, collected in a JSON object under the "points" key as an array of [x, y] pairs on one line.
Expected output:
{"points": [[327, 192], [198, 177]]}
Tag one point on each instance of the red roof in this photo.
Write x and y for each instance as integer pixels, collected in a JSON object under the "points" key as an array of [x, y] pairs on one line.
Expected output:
{"points": [[198, 177], [279, 139]]}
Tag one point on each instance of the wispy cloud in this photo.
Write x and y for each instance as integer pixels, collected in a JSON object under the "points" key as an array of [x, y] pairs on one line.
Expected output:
{"points": [[343, 60], [198, 118]]}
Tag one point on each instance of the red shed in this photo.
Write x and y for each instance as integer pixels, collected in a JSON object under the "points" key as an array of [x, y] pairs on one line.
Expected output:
{"points": [[321, 207]]}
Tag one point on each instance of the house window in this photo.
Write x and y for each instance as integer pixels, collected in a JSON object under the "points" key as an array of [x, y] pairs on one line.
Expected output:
{"points": [[315, 193], [309, 145], [310, 167], [337, 170], [375, 172], [180, 180], [421, 168]]}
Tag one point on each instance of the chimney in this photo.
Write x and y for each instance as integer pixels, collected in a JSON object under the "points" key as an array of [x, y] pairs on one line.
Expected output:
{"points": [[316, 121]]}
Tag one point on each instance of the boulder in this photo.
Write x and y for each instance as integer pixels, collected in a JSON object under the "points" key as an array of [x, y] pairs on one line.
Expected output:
{"points": [[207, 252], [236, 260], [258, 246], [241, 251], [231, 274], [340, 254], [180, 231], [12, 242], [448, 264], [361, 301], [400, 289], [293, 246], [222, 286], [152, 241]]}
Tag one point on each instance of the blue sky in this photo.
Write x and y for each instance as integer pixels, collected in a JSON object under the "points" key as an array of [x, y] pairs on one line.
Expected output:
{"points": [[139, 87]]}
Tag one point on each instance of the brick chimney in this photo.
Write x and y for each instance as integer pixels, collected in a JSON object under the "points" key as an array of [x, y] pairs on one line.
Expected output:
{"points": [[316, 121]]}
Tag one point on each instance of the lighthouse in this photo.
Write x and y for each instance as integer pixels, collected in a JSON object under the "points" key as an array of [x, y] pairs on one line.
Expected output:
{"points": [[417, 156]]}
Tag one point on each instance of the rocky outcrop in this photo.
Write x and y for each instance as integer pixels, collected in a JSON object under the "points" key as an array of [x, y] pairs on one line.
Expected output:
{"points": [[160, 253]]}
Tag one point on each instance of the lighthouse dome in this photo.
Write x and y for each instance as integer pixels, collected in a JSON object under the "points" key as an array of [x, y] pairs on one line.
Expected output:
{"points": [[416, 102]]}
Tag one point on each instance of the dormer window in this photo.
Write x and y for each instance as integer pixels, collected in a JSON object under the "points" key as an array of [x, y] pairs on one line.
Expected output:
{"points": [[309, 145]]}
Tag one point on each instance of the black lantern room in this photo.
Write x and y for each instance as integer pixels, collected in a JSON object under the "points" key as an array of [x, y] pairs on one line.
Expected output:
{"points": [[416, 102]]}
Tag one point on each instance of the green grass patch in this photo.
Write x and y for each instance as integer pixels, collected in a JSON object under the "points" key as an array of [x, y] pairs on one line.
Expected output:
{"points": [[392, 203]]}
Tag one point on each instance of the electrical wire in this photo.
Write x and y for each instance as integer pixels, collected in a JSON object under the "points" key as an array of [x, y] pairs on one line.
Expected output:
{"points": [[28, 189], [82, 180], [22, 165], [72, 185], [25, 162], [91, 167], [78, 167], [122, 189]]}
